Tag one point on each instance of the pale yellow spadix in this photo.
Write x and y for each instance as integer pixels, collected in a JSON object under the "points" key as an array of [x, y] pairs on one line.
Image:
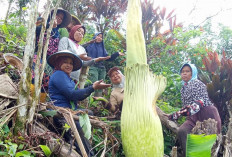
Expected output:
{"points": [[140, 125]]}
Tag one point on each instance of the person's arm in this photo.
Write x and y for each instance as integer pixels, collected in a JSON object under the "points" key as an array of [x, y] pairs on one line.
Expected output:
{"points": [[66, 88], [113, 56], [113, 102], [200, 96], [95, 60], [88, 63]]}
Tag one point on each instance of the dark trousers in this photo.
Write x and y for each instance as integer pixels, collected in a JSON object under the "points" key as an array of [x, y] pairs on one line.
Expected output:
{"points": [[204, 114]]}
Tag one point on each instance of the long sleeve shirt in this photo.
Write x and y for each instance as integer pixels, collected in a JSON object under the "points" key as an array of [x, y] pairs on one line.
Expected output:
{"points": [[62, 90], [67, 44], [194, 96], [96, 50]]}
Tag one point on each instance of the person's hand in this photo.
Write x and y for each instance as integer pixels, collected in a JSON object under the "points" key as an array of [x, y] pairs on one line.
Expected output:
{"points": [[84, 57], [96, 98], [169, 116], [100, 85], [166, 115], [39, 22], [54, 24], [121, 54], [101, 59]]}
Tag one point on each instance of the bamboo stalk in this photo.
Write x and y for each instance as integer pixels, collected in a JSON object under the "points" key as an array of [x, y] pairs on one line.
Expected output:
{"points": [[76, 134]]}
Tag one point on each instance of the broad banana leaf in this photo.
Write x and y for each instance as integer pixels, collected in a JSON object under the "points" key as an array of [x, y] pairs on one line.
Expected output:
{"points": [[200, 145]]}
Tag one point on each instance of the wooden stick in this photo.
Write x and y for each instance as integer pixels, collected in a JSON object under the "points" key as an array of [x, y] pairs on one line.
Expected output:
{"points": [[105, 142], [68, 116], [54, 143], [7, 96], [9, 109], [8, 117]]}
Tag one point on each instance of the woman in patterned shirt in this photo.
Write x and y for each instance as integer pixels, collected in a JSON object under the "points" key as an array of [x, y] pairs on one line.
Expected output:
{"points": [[196, 104]]}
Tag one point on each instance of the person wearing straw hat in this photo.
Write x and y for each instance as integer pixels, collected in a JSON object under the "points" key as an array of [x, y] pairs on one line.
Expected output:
{"points": [[62, 91], [75, 21], [63, 18], [64, 32], [61, 86]]}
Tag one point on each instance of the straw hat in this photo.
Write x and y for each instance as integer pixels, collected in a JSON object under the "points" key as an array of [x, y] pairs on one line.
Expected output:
{"points": [[77, 21], [77, 63], [13, 60], [67, 17]]}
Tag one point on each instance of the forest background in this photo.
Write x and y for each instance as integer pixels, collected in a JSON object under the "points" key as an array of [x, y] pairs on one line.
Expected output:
{"points": [[169, 44]]}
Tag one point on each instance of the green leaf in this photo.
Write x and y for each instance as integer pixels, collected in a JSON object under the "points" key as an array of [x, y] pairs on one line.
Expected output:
{"points": [[3, 153], [72, 102], [199, 145], [48, 113], [12, 149], [6, 129], [46, 150], [24, 8], [66, 127], [73, 105], [101, 99], [20, 146], [85, 124], [23, 153]]}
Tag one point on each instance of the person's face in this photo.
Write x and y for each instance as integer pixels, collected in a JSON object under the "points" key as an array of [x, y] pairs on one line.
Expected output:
{"points": [[116, 77], [67, 66], [59, 18], [55, 24], [186, 73], [99, 38], [79, 34]]}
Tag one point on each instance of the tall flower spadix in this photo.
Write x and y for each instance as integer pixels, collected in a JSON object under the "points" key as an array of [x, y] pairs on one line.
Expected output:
{"points": [[140, 125]]}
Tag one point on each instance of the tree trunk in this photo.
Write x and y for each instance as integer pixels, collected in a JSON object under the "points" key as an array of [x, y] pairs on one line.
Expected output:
{"points": [[8, 10], [228, 141], [83, 76], [208, 127], [167, 123], [39, 71], [24, 85], [36, 93]]}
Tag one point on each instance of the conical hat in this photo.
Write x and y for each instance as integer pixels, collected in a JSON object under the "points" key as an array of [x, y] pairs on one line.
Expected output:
{"points": [[77, 63]]}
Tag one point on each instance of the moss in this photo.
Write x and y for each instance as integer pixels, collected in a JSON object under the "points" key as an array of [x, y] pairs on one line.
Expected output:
{"points": [[19, 126], [21, 120]]}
